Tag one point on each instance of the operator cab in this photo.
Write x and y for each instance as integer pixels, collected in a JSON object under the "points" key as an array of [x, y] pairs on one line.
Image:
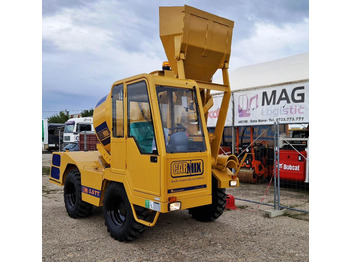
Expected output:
{"points": [[162, 139]]}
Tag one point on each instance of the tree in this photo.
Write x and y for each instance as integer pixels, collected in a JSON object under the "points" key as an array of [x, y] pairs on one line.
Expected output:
{"points": [[86, 113], [61, 117]]}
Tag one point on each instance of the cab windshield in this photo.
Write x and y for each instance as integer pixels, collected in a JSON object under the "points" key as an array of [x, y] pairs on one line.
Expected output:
{"points": [[69, 128], [181, 122]]}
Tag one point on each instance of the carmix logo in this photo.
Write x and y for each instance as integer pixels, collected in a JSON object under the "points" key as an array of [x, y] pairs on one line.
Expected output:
{"points": [[187, 168]]}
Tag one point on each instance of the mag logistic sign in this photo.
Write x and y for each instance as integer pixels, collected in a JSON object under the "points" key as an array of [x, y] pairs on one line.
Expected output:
{"points": [[287, 104]]}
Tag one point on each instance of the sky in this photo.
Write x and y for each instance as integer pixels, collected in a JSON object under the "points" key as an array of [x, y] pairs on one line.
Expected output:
{"points": [[88, 45]]}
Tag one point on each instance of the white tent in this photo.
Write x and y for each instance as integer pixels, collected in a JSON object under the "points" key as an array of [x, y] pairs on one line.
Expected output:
{"points": [[285, 70]]}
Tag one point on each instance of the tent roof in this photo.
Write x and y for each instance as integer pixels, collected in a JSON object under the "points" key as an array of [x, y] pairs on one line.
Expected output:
{"points": [[289, 69]]}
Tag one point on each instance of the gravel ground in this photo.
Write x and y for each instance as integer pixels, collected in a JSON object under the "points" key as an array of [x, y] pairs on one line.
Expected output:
{"points": [[244, 234]]}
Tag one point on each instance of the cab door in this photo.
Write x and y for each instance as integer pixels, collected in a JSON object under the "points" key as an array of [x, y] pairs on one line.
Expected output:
{"points": [[142, 159]]}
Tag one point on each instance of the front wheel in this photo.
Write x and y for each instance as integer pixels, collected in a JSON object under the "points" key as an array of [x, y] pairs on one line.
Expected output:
{"points": [[118, 215], [215, 209]]}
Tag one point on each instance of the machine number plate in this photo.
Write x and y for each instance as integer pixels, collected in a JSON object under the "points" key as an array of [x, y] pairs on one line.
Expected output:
{"points": [[152, 205]]}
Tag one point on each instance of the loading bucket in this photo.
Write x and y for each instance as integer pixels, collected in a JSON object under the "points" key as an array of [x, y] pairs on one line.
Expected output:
{"points": [[202, 39]]}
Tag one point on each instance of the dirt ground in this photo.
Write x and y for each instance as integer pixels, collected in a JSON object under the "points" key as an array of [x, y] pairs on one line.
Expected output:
{"points": [[244, 234]]}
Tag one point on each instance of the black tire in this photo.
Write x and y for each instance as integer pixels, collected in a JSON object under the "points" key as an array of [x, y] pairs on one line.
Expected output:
{"points": [[215, 209], [118, 215], [75, 206]]}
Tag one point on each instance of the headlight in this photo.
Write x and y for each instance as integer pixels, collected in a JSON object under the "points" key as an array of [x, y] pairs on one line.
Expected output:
{"points": [[233, 183], [174, 206]]}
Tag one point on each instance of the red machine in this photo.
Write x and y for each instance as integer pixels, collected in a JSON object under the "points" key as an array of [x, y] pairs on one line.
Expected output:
{"points": [[293, 165], [257, 165], [294, 156], [259, 162]]}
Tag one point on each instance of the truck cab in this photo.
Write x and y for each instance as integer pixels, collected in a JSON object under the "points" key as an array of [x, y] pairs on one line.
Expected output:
{"points": [[74, 126]]}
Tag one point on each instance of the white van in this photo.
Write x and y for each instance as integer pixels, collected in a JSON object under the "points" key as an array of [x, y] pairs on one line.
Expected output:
{"points": [[74, 126]]}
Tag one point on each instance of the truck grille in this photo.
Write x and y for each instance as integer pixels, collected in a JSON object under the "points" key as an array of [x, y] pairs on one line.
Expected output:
{"points": [[66, 138]]}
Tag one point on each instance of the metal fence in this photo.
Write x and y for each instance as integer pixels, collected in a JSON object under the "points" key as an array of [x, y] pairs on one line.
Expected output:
{"points": [[292, 193], [283, 177]]}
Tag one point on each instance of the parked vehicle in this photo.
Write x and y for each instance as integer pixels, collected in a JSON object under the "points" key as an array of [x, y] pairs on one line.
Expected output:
{"points": [[71, 147], [155, 154], [294, 155], [50, 135], [74, 126]]}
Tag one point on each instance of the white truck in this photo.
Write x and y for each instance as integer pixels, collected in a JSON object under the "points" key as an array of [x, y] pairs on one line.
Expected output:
{"points": [[73, 127], [50, 135]]}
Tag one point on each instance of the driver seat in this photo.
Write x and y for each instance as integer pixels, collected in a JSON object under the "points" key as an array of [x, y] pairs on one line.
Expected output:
{"points": [[144, 135]]}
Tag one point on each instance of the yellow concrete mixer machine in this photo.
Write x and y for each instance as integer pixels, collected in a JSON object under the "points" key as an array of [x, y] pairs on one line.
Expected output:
{"points": [[155, 153]]}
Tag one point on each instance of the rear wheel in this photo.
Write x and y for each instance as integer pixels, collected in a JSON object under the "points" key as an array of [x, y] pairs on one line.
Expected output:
{"points": [[75, 206], [118, 215], [215, 209]]}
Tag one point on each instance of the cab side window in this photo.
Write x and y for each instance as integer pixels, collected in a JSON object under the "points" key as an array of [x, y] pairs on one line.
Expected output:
{"points": [[140, 123], [118, 111], [84, 127]]}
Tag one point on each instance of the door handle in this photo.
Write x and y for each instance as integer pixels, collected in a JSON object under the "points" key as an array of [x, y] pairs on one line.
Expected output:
{"points": [[154, 159]]}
